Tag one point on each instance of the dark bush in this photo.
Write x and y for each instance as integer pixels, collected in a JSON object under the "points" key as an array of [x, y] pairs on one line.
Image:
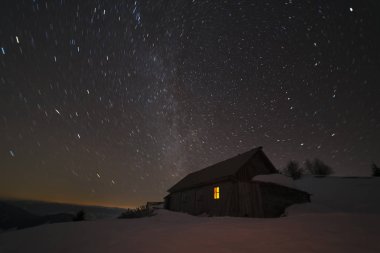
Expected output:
{"points": [[80, 216], [319, 168], [293, 170], [308, 165], [139, 212], [375, 170]]}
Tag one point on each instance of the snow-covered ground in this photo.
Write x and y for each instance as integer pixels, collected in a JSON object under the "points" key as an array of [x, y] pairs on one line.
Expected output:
{"points": [[338, 228], [339, 194]]}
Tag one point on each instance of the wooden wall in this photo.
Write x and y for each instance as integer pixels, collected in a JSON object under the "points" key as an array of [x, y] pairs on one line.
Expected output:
{"points": [[236, 199], [250, 203], [201, 200], [243, 199], [276, 198]]}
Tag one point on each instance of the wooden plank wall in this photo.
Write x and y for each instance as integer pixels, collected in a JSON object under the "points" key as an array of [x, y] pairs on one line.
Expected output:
{"points": [[277, 198], [244, 199], [250, 200]]}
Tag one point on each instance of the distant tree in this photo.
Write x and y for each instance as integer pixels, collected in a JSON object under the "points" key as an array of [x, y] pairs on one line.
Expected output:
{"points": [[319, 168], [308, 165], [375, 170], [80, 216], [293, 170], [139, 212]]}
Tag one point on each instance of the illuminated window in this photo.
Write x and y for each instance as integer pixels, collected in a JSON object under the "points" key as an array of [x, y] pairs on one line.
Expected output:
{"points": [[216, 192]]}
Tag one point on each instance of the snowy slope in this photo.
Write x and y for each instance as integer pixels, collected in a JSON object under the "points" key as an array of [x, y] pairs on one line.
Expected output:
{"points": [[340, 228], [176, 232], [340, 194]]}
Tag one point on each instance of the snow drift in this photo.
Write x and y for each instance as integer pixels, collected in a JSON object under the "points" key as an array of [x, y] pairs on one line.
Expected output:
{"points": [[340, 194], [340, 228]]}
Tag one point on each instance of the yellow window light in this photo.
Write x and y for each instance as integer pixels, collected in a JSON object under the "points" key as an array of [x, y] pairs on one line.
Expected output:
{"points": [[216, 192]]}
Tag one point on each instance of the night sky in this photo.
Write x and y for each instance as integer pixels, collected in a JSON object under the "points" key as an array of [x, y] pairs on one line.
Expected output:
{"points": [[112, 102]]}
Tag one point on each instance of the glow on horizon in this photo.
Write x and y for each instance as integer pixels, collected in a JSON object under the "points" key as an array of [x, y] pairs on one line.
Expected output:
{"points": [[71, 202]]}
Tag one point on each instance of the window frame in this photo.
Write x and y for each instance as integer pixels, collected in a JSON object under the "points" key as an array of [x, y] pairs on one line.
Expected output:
{"points": [[216, 192]]}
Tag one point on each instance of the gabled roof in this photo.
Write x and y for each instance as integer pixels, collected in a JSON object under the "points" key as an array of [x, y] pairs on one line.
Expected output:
{"points": [[214, 172]]}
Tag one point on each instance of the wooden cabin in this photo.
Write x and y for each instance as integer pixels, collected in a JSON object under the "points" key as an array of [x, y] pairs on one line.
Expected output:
{"points": [[227, 189]]}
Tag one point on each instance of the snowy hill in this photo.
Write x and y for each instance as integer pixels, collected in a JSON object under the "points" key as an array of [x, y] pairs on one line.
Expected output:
{"points": [[48, 208], [341, 194], [339, 228], [13, 217]]}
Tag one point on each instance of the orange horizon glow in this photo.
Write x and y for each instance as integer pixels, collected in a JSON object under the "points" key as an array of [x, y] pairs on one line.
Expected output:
{"points": [[70, 202]]}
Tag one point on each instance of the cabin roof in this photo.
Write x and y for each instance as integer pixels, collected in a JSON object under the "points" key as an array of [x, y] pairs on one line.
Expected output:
{"points": [[215, 172]]}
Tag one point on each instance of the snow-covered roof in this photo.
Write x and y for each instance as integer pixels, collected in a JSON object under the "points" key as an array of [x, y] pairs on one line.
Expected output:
{"points": [[276, 179]]}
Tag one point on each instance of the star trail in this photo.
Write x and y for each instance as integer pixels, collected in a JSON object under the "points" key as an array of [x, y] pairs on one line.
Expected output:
{"points": [[112, 102]]}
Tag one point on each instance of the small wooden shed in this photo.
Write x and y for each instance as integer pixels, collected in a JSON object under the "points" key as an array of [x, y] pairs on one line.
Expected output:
{"points": [[227, 189]]}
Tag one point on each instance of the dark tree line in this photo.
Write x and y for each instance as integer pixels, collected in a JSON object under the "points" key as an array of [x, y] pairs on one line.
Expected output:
{"points": [[80, 216], [375, 170], [139, 212], [315, 167]]}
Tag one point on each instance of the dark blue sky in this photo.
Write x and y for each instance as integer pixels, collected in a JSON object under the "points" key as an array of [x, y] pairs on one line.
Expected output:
{"points": [[112, 102]]}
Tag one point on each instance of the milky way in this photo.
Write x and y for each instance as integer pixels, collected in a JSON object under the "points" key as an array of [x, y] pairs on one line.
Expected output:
{"points": [[112, 102]]}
